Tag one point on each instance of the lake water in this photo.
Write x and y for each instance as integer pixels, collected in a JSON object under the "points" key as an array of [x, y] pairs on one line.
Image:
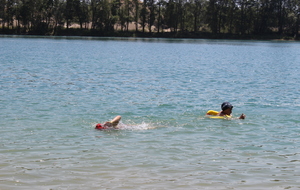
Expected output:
{"points": [[54, 90]]}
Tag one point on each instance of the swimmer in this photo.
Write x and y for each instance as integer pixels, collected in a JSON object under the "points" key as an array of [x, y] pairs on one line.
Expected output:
{"points": [[226, 111], [113, 124]]}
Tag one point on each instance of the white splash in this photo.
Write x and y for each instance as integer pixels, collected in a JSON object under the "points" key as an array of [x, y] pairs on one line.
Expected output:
{"points": [[142, 126]]}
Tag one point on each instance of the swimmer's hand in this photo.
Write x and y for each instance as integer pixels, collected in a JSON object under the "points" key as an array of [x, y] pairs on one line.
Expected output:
{"points": [[243, 116]]}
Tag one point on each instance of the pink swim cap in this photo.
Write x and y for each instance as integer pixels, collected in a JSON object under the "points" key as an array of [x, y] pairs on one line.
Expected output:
{"points": [[99, 126]]}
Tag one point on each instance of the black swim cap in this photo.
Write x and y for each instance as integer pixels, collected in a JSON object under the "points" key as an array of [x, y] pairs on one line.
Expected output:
{"points": [[226, 105]]}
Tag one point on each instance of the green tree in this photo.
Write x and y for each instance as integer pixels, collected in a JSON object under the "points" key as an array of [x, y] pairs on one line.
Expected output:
{"points": [[144, 15], [26, 11], [70, 12], [171, 15], [160, 3], [58, 16], [2, 12], [152, 13], [212, 16], [293, 7], [105, 14], [136, 4], [196, 9], [9, 14]]}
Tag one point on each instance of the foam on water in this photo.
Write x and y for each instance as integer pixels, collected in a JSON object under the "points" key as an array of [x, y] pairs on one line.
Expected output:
{"points": [[142, 126]]}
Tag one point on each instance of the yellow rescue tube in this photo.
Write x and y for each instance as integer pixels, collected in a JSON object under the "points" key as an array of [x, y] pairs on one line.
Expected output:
{"points": [[214, 115], [212, 112], [220, 117]]}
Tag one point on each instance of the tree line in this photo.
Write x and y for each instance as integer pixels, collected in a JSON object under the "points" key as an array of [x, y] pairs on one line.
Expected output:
{"points": [[250, 17]]}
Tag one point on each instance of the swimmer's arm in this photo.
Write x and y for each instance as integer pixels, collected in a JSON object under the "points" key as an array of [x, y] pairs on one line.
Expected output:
{"points": [[115, 121], [243, 116]]}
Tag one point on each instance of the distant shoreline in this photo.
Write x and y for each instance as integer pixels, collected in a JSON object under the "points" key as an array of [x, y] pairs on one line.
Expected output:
{"points": [[189, 35]]}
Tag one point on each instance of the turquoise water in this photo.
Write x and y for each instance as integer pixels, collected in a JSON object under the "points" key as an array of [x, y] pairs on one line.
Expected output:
{"points": [[54, 90]]}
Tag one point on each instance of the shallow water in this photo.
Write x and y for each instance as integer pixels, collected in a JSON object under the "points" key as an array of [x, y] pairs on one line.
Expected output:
{"points": [[54, 90]]}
